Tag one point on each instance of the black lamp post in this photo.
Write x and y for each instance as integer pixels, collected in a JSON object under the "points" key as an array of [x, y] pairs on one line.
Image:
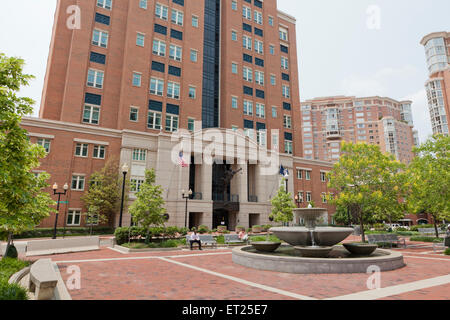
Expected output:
{"points": [[186, 196], [55, 192], [286, 176], [125, 169], [297, 200]]}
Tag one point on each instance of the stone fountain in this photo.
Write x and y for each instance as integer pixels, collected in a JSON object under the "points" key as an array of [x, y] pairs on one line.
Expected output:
{"points": [[313, 249], [312, 241]]}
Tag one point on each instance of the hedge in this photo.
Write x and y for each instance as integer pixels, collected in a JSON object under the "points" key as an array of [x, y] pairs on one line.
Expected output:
{"points": [[125, 234], [8, 291], [48, 232]]}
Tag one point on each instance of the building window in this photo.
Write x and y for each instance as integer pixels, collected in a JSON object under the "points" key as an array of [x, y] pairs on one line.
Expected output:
{"points": [[288, 147], [136, 184], [283, 34], [140, 39], [173, 90], [73, 217], [286, 91], [260, 110], [194, 55], [137, 79], [134, 114], [248, 108], [308, 197], [274, 112], [191, 124], [259, 47], [106, 4], [157, 86], [247, 13], [259, 77], [91, 114], [285, 63], [261, 137], [234, 5], [100, 38], [45, 143], [195, 21], [99, 152], [272, 49], [258, 17], [139, 154], [159, 48], [171, 123], [323, 176], [154, 120], [81, 150], [308, 175], [287, 121], [143, 4], [234, 35], [77, 183], [161, 11], [248, 74], [299, 174], [177, 17], [95, 79], [192, 92], [271, 21], [324, 198], [175, 52], [234, 102], [247, 42], [234, 68]]}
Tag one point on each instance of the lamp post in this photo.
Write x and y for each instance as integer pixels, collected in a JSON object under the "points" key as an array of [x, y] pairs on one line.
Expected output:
{"points": [[297, 200], [286, 176], [125, 169], [55, 192], [186, 196]]}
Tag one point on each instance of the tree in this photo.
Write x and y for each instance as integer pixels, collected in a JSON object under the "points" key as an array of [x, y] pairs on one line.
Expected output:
{"points": [[103, 197], [282, 206], [367, 181], [430, 179], [23, 203], [148, 209]]}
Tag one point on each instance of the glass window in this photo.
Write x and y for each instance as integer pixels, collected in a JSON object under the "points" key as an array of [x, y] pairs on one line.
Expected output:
{"points": [[171, 123], [234, 35], [191, 125], [175, 52], [177, 17], [95, 79], [100, 38], [77, 183], [140, 39], [106, 4], [234, 68], [234, 5], [248, 108], [195, 21], [161, 11], [274, 112], [192, 92], [137, 79], [81, 150], [44, 143], [99, 152], [154, 120], [159, 48], [173, 90], [194, 54], [156, 86], [139, 154], [134, 114], [234, 102], [91, 114], [73, 217]]}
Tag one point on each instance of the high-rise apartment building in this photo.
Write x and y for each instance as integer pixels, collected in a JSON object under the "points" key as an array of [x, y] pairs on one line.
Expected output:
{"points": [[437, 50], [328, 121], [134, 72]]}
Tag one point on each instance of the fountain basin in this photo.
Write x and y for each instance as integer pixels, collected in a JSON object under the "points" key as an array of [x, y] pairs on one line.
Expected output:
{"points": [[362, 249], [314, 252], [339, 261], [301, 236], [266, 246]]}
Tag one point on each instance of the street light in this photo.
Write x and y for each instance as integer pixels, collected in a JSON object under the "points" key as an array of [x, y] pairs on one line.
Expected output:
{"points": [[297, 200], [186, 196], [55, 192], [286, 176], [125, 169]]}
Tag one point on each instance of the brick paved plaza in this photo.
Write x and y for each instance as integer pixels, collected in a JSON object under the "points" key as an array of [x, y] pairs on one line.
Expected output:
{"points": [[211, 275]]}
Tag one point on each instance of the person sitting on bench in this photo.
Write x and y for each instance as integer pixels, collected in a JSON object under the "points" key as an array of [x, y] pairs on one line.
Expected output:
{"points": [[195, 238]]}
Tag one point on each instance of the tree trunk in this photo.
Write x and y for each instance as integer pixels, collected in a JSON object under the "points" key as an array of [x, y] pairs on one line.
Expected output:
{"points": [[436, 227], [363, 235], [8, 243]]}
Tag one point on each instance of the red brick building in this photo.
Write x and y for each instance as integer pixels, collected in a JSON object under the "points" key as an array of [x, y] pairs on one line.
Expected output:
{"points": [[119, 84]]}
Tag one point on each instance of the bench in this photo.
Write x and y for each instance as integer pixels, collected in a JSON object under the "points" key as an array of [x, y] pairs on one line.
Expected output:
{"points": [[386, 238], [233, 238], [57, 246], [206, 240], [43, 279]]}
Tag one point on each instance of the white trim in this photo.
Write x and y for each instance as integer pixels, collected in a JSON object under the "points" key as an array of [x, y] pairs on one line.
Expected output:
{"points": [[39, 135], [91, 141]]}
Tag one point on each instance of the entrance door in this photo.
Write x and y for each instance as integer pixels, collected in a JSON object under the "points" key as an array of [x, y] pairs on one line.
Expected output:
{"points": [[253, 219], [220, 218]]}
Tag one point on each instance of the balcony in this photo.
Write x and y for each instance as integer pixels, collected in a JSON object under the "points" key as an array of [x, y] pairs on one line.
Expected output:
{"points": [[226, 202], [252, 198], [334, 135]]}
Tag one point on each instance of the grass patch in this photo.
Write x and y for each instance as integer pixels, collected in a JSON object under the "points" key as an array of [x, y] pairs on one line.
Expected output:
{"points": [[8, 291], [426, 239], [271, 238], [155, 245]]}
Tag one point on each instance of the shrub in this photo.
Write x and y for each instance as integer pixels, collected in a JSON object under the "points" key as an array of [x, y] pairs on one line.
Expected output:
{"points": [[266, 227], [203, 229], [264, 238], [421, 226], [447, 252], [48, 232], [425, 239], [220, 240], [9, 266], [12, 291], [239, 228], [121, 235], [12, 252], [249, 230]]}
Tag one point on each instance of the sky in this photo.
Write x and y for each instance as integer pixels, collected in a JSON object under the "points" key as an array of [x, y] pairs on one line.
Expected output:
{"points": [[345, 47]]}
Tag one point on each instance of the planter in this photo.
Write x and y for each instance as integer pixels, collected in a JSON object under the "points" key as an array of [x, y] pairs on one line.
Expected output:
{"points": [[266, 246], [314, 252], [221, 228], [256, 229], [361, 249], [239, 229]]}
